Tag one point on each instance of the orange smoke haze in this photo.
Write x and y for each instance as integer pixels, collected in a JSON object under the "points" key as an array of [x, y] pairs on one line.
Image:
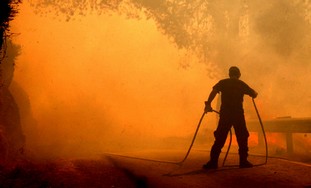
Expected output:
{"points": [[102, 80], [105, 82]]}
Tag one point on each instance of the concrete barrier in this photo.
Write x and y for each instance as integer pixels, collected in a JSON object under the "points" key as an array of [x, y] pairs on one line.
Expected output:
{"points": [[285, 125]]}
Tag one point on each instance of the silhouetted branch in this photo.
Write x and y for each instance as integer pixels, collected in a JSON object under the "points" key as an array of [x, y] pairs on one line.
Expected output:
{"points": [[8, 9]]}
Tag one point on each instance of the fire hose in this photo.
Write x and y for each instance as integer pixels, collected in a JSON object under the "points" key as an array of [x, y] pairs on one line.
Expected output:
{"points": [[263, 131], [264, 135], [170, 162], [192, 142]]}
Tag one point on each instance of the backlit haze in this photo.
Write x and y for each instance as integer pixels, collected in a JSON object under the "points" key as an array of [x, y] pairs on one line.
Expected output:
{"points": [[101, 82]]}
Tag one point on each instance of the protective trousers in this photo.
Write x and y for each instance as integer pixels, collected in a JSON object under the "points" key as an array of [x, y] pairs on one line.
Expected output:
{"points": [[226, 121]]}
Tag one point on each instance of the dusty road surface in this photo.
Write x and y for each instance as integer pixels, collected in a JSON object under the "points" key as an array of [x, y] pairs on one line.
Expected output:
{"points": [[276, 173], [116, 171]]}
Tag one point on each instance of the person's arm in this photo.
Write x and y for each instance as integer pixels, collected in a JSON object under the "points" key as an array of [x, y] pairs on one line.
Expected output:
{"points": [[249, 91], [208, 107]]}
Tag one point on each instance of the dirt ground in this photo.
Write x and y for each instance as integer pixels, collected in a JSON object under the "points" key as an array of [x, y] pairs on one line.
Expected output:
{"points": [[115, 171]]}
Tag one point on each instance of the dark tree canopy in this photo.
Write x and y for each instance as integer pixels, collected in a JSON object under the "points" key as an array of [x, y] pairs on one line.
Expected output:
{"points": [[8, 9]]}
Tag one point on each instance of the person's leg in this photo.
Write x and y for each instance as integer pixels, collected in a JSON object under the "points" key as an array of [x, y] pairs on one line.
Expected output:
{"points": [[220, 134], [242, 135]]}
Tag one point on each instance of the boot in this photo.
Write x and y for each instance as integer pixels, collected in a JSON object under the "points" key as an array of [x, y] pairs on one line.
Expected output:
{"points": [[214, 155], [244, 163], [210, 165], [243, 152]]}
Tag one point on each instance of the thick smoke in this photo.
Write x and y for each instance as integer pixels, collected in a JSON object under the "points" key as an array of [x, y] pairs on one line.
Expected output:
{"points": [[122, 74]]}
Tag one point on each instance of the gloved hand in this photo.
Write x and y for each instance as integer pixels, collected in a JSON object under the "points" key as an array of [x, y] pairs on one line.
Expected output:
{"points": [[254, 94], [208, 108]]}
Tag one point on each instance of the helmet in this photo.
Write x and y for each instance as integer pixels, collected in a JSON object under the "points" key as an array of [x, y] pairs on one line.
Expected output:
{"points": [[234, 72]]}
